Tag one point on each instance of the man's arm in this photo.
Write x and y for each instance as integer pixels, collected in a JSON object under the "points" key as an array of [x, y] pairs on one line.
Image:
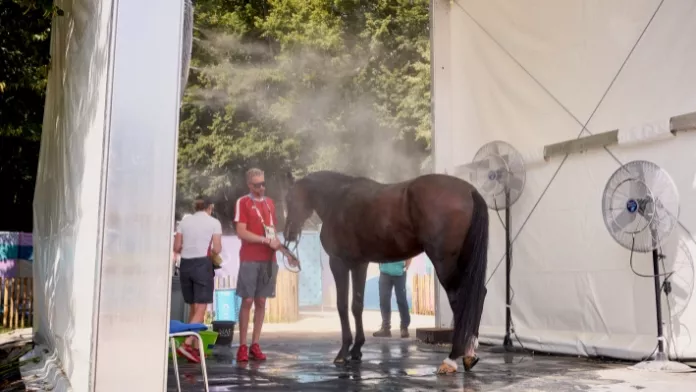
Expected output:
{"points": [[248, 236], [178, 243], [217, 238], [240, 225]]}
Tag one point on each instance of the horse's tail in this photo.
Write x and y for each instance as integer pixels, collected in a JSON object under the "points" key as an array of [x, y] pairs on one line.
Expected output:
{"points": [[473, 260]]}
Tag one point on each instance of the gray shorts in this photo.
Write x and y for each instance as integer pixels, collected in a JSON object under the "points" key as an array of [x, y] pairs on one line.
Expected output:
{"points": [[257, 279]]}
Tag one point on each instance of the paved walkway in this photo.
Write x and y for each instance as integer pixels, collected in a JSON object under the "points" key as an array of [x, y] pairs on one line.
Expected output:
{"points": [[301, 361]]}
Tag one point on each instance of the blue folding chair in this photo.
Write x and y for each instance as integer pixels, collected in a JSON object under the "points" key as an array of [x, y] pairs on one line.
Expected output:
{"points": [[179, 329]]}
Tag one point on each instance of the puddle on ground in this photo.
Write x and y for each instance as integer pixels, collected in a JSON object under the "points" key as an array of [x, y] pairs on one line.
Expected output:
{"points": [[387, 366]]}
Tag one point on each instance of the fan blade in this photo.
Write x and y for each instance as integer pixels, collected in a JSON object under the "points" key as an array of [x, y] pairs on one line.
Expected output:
{"points": [[494, 149], [624, 219], [515, 182], [636, 188]]}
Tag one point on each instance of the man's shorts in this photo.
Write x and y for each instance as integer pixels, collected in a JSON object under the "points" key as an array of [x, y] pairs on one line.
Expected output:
{"points": [[197, 280], [257, 279]]}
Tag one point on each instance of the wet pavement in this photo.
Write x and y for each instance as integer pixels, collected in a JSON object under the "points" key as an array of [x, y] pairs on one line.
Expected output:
{"points": [[299, 362]]}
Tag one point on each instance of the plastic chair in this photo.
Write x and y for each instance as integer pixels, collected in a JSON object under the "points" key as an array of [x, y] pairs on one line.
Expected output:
{"points": [[179, 329]]}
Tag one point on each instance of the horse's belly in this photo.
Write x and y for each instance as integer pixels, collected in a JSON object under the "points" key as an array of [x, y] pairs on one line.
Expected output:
{"points": [[389, 247]]}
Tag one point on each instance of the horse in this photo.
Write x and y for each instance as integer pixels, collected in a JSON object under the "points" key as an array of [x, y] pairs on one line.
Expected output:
{"points": [[367, 221]]}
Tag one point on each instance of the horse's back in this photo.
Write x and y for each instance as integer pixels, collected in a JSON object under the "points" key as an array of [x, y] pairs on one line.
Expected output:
{"points": [[440, 188], [440, 203], [389, 221]]}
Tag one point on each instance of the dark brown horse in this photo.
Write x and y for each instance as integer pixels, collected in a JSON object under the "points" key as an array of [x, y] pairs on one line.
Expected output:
{"points": [[366, 221]]}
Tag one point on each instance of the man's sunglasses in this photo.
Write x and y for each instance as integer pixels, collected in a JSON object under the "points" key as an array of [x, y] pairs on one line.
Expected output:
{"points": [[259, 184]]}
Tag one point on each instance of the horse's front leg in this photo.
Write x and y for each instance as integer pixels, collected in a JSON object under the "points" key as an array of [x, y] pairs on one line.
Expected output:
{"points": [[341, 274], [359, 273]]}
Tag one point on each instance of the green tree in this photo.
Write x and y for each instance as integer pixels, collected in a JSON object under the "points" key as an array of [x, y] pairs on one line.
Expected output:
{"points": [[24, 61], [301, 85]]}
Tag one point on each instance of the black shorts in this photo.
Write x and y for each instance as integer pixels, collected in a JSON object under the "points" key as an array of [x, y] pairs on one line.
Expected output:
{"points": [[197, 280]]}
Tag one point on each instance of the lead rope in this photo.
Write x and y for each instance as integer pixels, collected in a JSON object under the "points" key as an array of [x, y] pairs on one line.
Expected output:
{"points": [[295, 252]]}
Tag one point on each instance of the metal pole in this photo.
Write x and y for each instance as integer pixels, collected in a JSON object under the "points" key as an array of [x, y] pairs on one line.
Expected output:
{"points": [[658, 306], [507, 342]]}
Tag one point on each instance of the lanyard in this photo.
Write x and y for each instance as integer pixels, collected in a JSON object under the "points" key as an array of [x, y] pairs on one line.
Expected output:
{"points": [[253, 205]]}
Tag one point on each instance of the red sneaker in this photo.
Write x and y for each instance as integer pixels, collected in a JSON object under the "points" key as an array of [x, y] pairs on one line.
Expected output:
{"points": [[189, 353], [256, 352], [242, 353]]}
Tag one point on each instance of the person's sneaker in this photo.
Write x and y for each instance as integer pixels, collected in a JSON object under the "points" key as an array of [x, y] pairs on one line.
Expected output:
{"points": [[404, 333], [256, 352], [382, 333], [242, 353], [189, 353]]}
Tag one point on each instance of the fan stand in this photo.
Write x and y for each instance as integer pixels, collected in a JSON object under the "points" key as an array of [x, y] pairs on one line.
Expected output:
{"points": [[661, 361], [507, 346]]}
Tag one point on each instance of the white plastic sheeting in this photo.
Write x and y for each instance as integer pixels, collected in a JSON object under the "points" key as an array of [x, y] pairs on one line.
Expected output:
{"points": [[103, 206], [66, 200], [534, 72]]}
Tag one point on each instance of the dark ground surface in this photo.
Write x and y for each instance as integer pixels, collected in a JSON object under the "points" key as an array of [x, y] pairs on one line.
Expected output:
{"points": [[304, 363], [10, 376]]}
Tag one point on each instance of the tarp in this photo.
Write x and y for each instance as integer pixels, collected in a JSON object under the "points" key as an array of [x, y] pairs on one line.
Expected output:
{"points": [[103, 201], [534, 72]]}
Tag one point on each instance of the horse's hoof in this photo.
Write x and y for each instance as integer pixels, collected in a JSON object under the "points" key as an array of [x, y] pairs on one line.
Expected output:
{"points": [[340, 360], [446, 369], [470, 362], [355, 354]]}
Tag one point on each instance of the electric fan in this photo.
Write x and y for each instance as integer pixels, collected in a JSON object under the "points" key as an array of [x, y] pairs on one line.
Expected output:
{"points": [[498, 173], [640, 206]]}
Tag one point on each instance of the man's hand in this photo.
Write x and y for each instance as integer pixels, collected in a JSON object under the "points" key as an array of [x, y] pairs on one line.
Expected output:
{"points": [[275, 244]]}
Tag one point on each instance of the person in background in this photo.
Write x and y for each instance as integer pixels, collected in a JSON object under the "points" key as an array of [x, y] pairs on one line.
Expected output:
{"points": [[195, 235], [255, 218], [393, 275]]}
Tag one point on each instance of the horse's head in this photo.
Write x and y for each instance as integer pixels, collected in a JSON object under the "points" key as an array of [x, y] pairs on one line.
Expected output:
{"points": [[299, 209]]}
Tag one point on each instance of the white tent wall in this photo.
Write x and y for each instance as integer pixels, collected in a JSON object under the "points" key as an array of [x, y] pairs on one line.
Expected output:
{"points": [[66, 199], [104, 198], [532, 73]]}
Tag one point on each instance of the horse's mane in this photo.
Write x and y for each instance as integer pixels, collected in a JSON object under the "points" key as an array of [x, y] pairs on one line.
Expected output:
{"points": [[327, 179], [334, 184]]}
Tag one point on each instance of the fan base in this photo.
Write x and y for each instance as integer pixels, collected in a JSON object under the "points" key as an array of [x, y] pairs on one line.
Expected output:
{"points": [[662, 364]]}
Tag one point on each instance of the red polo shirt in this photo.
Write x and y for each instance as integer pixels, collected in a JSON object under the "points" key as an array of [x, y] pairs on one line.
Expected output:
{"points": [[245, 213]]}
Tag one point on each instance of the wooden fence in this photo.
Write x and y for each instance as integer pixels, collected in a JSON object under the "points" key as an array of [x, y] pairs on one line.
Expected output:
{"points": [[284, 308], [16, 300], [423, 294]]}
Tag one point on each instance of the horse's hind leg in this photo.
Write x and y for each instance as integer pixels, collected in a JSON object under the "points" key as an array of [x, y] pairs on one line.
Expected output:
{"points": [[359, 274], [447, 273], [341, 275]]}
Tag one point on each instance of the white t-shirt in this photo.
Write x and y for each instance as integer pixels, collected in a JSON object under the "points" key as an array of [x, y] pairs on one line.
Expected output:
{"points": [[197, 230]]}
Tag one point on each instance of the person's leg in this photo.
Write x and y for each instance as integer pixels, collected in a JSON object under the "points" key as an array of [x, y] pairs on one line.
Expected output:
{"points": [[259, 315], [195, 279], [402, 303], [186, 278], [385, 292], [246, 287], [197, 316], [203, 290], [266, 287], [244, 312]]}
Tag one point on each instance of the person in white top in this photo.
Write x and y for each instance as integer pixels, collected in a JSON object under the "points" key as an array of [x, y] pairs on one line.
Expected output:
{"points": [[196, 235]]}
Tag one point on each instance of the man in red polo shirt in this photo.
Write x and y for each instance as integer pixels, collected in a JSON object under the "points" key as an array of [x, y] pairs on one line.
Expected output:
{"points": [[255, 219]]}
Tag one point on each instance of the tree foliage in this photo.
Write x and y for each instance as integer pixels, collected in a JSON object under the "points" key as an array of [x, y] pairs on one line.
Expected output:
{"points": [[285, 85], [24, 61], [301, 85]]}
